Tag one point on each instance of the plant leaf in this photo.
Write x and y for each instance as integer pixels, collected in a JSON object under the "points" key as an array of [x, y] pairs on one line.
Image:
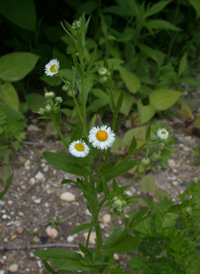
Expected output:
{"points": [[83, 227], [131, 80], [9, 95]]}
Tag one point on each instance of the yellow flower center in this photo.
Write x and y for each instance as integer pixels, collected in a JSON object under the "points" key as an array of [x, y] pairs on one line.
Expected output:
{"points": [[53, 68], [79, 147], [163, 132], [102, 135]]}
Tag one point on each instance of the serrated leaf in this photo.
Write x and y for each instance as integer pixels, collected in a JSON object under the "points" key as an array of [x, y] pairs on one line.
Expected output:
{"points": [[83, 227], [9, 96], [131, 80], [20, 12], [15, 66], [163, 99], [148, 184]]}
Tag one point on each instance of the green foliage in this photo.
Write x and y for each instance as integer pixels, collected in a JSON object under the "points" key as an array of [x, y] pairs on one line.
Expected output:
{"points": [[169, 241]]}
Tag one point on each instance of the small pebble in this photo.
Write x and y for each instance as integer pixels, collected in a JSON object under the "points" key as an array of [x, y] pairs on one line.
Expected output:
{"points": [[10, 203], [36, 239], [39, 176], [4, 216], [171, 163], [70, 239], [33, 128], [92, 237], [13, 237], [67, 197], [32, 182], [116, 257], [37, 201], [106, 219], [19, 230], [51, 232], [22, 159], [13, 268], [175, 183]]}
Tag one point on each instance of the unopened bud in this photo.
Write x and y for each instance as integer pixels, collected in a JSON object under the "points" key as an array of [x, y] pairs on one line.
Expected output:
{"points": [[70, 93], [156, 155], [48, 108], [41, 111], [49, 95], [65, 88], [161, 146], [102, 71], [145, 161], [59, 100], [118, 203], [103, 79]]}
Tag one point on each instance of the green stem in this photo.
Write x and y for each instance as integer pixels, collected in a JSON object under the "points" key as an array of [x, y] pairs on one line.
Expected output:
{"points": [[76, 103], [59, 132]]}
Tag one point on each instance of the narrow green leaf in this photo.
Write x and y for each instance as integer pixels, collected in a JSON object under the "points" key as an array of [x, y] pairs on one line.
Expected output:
{"points": [[148, 133], [63, 259], [9, 95], [163, 99], [15, 66], [67, 181], [86, 251], [156, 8], [149, 202], [66, 163], [49, 268], [115, 186], [137, 217], [116, 233], [83, 227], [183, 64], [161, 24], [131, 80], [119, 102], [133, 145], [105, 187], [8, 183], [20, 12]]}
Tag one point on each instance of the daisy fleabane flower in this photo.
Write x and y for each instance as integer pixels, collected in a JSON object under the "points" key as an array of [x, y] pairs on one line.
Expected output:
{"points": [[79, 148], [101, 137], [162, 133], [52, 67]]}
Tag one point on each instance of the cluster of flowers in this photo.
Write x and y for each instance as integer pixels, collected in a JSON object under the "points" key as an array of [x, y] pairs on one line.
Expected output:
{"points": [[52, 103], [99, 137]]}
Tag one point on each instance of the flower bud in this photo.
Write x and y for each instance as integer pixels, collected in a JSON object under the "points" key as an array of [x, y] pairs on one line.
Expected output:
{"points": [[102, 71], [41, 111], [156, 155], [161, 146], [145, 161], [118, 203], [65, 88], [48, 108], [108, 73], [103, 79], [49, 95], [58, 100], [70, 93]]}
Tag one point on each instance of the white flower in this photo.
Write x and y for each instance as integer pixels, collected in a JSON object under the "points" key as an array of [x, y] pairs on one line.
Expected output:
{"points": [[162, 133], [52, 67], [79, 148], [101, 137]]}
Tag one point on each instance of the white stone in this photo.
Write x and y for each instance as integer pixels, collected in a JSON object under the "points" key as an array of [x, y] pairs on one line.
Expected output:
{"points": [[106, 219], [4, 216], [116, 257], [92, 237], [88, 212], [70, 239], [38, 201], [33, 128], [175, 183], [51, 232], [13, 268], [67, 197], [39, 176], [171, 163]]}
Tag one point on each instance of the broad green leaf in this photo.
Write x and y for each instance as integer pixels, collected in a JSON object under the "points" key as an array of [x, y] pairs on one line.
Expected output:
{"points": [[63, 259], [148, 184], [155, 55], [66, 163], [138, 133], [20, 12], [116, 232], [127, 35], [35, 101], [146, 112], [9, 96], [100, 94], [163, 99], [156, 8], [162, 193], [131, 80], [96, 105], [67, 74], [196, 5], [52, 81], [125, 167], [15, 66], [127, 244], [127, 102], [83, 227], [197, 122], [183, 64], [185, 111], [161, 24], [8, 183]]}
